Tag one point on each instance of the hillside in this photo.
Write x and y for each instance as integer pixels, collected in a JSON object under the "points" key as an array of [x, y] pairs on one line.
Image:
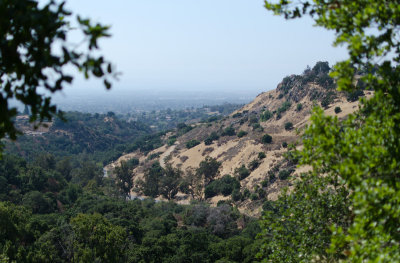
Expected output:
{"points": [[238, 142]]}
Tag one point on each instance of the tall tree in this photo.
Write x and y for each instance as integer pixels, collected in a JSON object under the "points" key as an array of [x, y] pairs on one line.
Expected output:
{"points": [[97, 240], [124, 174], [363, 151], [170, 182], [208, 168]]}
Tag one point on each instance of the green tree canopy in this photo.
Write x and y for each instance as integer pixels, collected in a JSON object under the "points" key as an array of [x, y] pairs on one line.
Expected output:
{"points": [[361, 152]]}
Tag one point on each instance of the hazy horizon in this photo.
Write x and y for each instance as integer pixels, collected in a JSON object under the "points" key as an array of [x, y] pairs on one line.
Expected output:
{"points": [[209, 45]]}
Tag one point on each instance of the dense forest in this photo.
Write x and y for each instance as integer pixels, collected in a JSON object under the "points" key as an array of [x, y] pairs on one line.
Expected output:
{"points": [[64, 210], [57, 205]]}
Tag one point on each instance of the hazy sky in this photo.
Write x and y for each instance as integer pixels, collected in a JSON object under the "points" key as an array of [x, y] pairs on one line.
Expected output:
{"points": [[207, 44]]}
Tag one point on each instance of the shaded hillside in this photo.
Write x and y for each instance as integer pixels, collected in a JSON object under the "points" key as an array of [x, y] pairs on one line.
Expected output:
{"points": [[252, 145], [104, 135]]}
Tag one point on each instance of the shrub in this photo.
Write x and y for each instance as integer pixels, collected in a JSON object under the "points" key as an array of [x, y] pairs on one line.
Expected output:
{"points": [[284, 174], [209, 191], [236, 195], [264, 183], [338, 110], [284, 144], [208, 141], [257, 126], [288, 126], [192, 143], [246, 193], [224, 186], [261, 155], [269, 206], [242, 172], [266, 115], [229, 131], [253, 119], [253, 197], [254, 164], [299, 107], [284, 107], [272, 176], [261, 193], [132, 162], [171, 141], [241, 134], [354, 95], [266, 138], [237, 115], [212, 137], [328, 99]]}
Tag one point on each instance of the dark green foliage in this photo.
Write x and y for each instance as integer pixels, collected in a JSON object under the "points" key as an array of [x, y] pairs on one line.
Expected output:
{"points": [[271, 176], [85, 133], [354, 95], [321, 68], [237, 115], [253, 197], [288, 126], [241, 134], [284, 107], [153, 156], [284, 145], [208, 141], [170, 181], [266, 115], [152, 178], [28, 61], [236, 195], [253, 119], [261, 155], [265, 183], [229, 131], [123, 174], [266, 139], [242, 172], [328, 99], [208, 169], [338, 110], [257, 127], [355, 156], [246, 193], [299, 107], [223, 186], [95, 238], [182, 128], [133, 162], [253, 164], [284, 174], [192, 143], [39, 202], [212, 119], [171, 140], [212, 137], [301, 221]]}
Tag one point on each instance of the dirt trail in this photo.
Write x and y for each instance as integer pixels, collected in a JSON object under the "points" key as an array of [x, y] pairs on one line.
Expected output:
{"points": [[166, 154]]}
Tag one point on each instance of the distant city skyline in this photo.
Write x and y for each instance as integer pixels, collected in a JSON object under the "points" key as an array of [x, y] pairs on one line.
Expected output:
{"points": [[208, 45]]}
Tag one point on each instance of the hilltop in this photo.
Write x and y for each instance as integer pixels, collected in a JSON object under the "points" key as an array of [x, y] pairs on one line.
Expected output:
{"points": [[252, 144]]}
